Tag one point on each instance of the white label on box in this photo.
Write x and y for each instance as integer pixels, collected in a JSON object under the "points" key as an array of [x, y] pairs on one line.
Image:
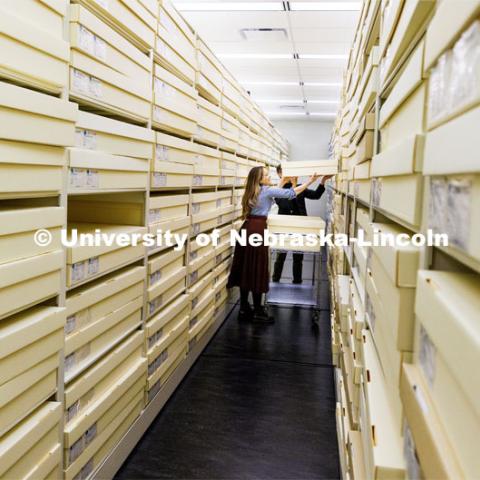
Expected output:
{"points": [[155, 277], [72, 411], [410, 455], [78, 177], [100, 48], [93, 179], [89, 140], [195, 207], [161, 153], [93, 266], [81, 82], [376, 191], [90, 434], [369, 311], [458, 213], [219, 202], [197, 180], [95, 87], [223, 180], [154, 215], [78, 272], [193, 255], [196, 228], [71, 324], [86, 40], [437, 208], [193, 277], [76, 450], [219, 219], [159, 179], [158, 114], [427, 356]]}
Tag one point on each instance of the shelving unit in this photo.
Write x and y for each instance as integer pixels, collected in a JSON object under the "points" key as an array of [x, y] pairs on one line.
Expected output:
{"points": [[108, 122], [404, 142]]}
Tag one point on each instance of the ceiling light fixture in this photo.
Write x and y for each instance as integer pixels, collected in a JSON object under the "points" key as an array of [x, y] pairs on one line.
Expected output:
{"points": [[321, 56], [273, 100], [322, 84], [229, 6], [256, 56], [322, 114], [324, 6], [290, 114], [324, 102], [271, 84]]}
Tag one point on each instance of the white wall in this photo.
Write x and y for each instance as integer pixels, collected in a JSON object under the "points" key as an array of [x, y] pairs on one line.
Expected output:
{"points": [[308, 138]]}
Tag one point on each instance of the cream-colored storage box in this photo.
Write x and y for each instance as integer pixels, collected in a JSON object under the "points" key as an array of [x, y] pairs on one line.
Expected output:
{"points": [[104, 376], [33, 128], [174, 149], [167, 207], [206, 169], [446, 348], [98, 84], [133, 19], [32, 449], [28, 281], [97, 39], [295, 224], [174, 104], [34, 53], [167, 288], [209, 126], [308, 168], [87, 262], [178, 228], [164, 265], [175, 44], [230, 133], [88, 452], [210, 201], [171, 175], [209, 80]]}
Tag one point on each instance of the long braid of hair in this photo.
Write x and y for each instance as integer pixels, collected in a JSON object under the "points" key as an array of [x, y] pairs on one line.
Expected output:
{"points": [[252, 190]]}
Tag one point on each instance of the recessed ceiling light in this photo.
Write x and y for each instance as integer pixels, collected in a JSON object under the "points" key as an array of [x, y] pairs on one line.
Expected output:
{"points": [[325, 102], [322, 84], [321, 56], [256, 56], [321, 114], [325, 6], [272, 84], [273, 100], [228, 6]]}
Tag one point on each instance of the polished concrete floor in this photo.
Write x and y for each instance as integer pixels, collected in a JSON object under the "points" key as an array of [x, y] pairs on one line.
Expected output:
{"points": [[258, 404]]}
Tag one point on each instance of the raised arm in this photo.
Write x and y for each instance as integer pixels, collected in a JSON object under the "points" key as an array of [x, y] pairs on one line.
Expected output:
{"points": [[301, 188]]}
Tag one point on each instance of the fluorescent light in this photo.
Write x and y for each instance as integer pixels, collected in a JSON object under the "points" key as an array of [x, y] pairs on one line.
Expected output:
{"points": [[258, 56], [318, 114], [325, 6], [321, 56], [273, 100], [322, 84], [228, 6], [289, 114], [323, 102], [272, 84]]}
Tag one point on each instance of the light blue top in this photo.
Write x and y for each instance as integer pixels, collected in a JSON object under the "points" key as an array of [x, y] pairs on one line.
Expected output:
{"points": [[266, 199]]}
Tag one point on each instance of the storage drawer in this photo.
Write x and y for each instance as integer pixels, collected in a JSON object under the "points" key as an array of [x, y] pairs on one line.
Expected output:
{"points": [[25, 392], [205, 87], [173, 29], [360, 189], [25, 449], [97, 171], [167, 207], [29, 116], [208, 64], [102, 134], [295, 224], [164, 352], [28, 338], [87, 262], [97, 39], [98, 380], [207, 166], [201, 289], [29, 281], [174, 149], [133, 19], [202, 222], [228, 163], [89, 343], [179, 229], [171, 175], [18, 226], [101, 87], [166, 290], [164, 265], [160, 325], [89, 303], [208, 201], [28, 169], [201, 315], [34, 54], [97, 443], [308, 168], [175, 104], [95, 417], [169, 58], [227, 178], [446, 346], [173, 365], [401, 196], [200, 267]]}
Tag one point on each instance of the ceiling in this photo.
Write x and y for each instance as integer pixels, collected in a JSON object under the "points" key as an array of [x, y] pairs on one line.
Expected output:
{"points": [[283, 83]]}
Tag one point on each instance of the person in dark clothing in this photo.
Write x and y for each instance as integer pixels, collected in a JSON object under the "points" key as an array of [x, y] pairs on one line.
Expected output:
{"points": [[295, 206]]}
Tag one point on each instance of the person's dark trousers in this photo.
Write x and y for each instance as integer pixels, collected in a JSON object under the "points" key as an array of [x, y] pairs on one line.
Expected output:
{"points": [[297, 266]]}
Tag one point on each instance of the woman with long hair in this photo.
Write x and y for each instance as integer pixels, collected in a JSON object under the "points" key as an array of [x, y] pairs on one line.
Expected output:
{"points": [[250, 263]]}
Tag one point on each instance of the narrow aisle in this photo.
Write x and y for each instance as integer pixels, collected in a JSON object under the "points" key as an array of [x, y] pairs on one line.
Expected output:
{"points": [[258, 404]]}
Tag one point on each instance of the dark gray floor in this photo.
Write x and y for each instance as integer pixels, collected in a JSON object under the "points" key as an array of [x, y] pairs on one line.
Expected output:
{"points": [[258, 404]]}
